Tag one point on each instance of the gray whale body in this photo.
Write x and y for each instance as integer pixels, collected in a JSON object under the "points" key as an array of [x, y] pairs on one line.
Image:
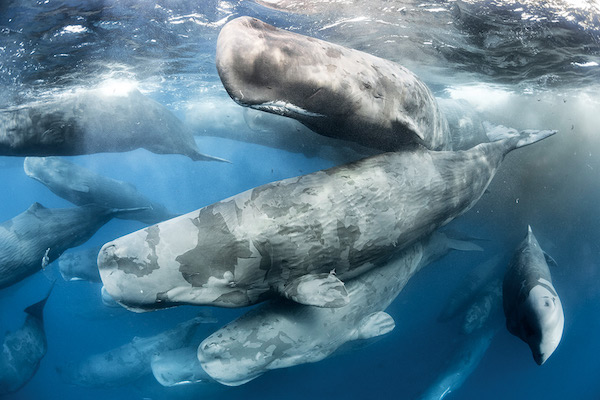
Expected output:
{"points": [[335, 91], [94, 121], [128, 362], [280, 334], [82, 186], [300, 237], [38, 236]]}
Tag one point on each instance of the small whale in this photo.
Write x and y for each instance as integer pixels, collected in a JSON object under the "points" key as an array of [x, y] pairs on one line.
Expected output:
{"points": [[532, 308], [301, 237], [471, 287], [477, 302], [129, 362], [333, 90], [109, 118], [281, 334], [464, 360], [40, 235], [23, 350], [82, 186]]}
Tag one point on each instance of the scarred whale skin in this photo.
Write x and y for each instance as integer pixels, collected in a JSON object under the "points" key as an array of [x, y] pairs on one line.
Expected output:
{"points": [[298, 237], [128, 362], [531, 305], [335, 91], [82, 186], [38, 236], [94, 121], [23, 349], [280, 334]]}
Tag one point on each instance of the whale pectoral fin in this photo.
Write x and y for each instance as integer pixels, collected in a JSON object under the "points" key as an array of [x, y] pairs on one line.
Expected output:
{"points": [[550, 261], [79, 187], [376, 324], [321, 290]]}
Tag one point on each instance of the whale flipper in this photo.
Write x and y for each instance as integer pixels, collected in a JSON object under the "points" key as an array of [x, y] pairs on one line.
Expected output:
{"points": [[550, 261], [375, 324], [321, 290]]}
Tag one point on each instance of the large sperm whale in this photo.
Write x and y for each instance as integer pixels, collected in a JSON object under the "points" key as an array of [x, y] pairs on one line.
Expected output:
{"points": [[300, 237], [280, 334], [335, 91]]}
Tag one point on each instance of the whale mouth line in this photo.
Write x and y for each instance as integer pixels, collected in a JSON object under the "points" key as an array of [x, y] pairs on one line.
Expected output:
{"points": [[283, 108]]}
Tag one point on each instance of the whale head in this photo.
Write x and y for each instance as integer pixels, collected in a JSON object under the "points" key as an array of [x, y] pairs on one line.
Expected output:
{"points": [[269, 337], [46, 170], [542, 322]]}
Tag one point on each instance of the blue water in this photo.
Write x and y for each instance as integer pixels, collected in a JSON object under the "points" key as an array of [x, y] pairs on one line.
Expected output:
{"points": [[528, 65]]}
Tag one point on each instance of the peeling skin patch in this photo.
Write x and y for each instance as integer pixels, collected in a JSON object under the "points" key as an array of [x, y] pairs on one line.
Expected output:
{"points": [[216, 253], [132, 265]]}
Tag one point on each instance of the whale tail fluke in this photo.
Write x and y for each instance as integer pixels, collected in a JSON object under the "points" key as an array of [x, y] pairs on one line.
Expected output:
{"points": [[37, 309], [529, 136], [514, 138]]}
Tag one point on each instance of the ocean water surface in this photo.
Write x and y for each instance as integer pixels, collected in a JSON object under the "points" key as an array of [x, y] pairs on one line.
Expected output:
{"points": [[521, 64]]}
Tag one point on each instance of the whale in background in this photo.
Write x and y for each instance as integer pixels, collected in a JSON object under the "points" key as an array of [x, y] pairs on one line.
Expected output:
{"points": [[476, 282], [464, 360], [335, 91], [80, 265], [38, 236], [179, 367], [281, 334], [23, 349], [82, 186], [477, 302], [130, 361], [531, 305], [221, 117], [301, 237], [110, 118]]}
